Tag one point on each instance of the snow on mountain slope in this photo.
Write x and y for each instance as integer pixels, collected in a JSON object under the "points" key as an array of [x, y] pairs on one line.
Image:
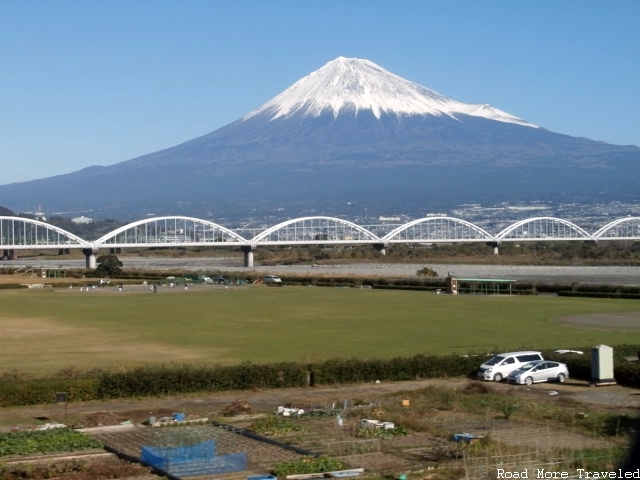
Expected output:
{"points": [[352, 84]]}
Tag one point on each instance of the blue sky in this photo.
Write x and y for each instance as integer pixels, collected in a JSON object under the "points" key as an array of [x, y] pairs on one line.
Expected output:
{"points": [[92, 82]]}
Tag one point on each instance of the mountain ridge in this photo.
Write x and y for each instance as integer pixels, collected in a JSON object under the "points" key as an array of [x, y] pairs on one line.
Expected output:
{"points": [[330, 153]]}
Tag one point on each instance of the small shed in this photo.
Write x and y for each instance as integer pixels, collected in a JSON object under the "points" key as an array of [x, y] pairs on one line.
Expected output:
{"points": [[53, 272], [479, 286]]}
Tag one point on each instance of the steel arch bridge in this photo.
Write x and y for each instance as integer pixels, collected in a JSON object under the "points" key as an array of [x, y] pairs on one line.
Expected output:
{"points": [[179, 231]]}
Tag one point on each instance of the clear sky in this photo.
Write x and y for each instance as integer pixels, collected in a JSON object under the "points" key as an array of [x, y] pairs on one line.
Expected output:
{"points": [[93, 82]]}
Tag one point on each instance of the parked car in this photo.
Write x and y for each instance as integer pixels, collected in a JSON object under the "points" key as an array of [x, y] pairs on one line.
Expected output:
{"points": [[503, 364], [539, 371], [271, 279]]}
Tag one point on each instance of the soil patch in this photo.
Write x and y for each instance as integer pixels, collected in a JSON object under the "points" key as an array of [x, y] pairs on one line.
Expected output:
{"points": [[628, 321], [77, 467]]}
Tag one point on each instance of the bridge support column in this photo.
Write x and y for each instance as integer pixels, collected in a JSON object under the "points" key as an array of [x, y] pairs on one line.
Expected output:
{"points": [[495, 246], [381, 247], [9, 254], [90, 258], [248, 255]]}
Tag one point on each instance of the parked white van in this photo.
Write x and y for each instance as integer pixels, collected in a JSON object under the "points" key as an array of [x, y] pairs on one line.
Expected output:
{"points": [[502, 365]]}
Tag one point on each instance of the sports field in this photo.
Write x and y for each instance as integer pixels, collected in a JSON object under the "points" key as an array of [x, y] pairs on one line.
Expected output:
{"points": [[46, 330]]}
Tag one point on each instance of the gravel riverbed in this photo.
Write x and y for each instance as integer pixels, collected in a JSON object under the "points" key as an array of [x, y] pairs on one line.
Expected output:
{"points": [[603, 275]]}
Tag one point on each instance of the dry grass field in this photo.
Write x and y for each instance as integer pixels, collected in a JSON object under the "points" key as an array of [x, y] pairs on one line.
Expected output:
{"points": [[46, 330]]}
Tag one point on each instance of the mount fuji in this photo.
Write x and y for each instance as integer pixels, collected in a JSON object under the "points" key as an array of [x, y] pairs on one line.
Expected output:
{"points": [[347, 139]]}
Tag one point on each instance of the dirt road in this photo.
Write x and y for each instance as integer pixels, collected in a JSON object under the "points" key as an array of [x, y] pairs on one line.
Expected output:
{"points": [[213, 404]]}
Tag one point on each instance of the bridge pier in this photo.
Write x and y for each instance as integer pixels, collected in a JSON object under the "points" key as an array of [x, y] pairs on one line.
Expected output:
{"points": [[9, 254], [495, 246], [248, 255], [90, 258], [381, 247]]}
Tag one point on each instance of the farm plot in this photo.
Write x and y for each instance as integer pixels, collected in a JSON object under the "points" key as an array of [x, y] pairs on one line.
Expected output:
{"points": [[416, 451], [436, 411], [74, 467], [261, 456]]}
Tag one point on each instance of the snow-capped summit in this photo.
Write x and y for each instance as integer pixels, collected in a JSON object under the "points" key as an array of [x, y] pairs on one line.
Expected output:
{"points": [[353, 85]]}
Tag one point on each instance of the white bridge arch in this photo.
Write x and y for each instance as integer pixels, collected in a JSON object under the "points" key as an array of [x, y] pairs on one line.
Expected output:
{"points": [[622, 229], [543, 228], [26, 233], [169, 231], [437, 229], [315, 230]]}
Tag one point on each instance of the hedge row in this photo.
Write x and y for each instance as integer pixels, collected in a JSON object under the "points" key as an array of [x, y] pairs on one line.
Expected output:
{"points": [[356, 370], [42, 391], [154, 381], [11, 286], [626, 296], [163, 380]]}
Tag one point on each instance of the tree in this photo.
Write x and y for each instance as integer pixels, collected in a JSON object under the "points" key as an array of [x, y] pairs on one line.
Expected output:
{"points": [[108, 266]]}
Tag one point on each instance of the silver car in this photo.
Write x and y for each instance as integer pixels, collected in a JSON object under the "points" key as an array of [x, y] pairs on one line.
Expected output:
{"points": [[539, 371], [271, 279]]}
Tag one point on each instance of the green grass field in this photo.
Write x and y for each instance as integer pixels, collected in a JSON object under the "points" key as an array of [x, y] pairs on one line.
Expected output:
{"points": [[45, 331]]}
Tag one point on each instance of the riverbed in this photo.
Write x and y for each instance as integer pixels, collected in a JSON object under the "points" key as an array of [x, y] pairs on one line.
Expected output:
{"points": [[600, 275]]}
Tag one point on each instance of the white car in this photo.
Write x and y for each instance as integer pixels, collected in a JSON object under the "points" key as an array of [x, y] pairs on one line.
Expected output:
{"points": [[502, 364], [271, 279], [539, 371]]}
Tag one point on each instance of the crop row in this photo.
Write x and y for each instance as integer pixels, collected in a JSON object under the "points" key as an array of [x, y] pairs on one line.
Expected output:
{"points": [[45, 442]]}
